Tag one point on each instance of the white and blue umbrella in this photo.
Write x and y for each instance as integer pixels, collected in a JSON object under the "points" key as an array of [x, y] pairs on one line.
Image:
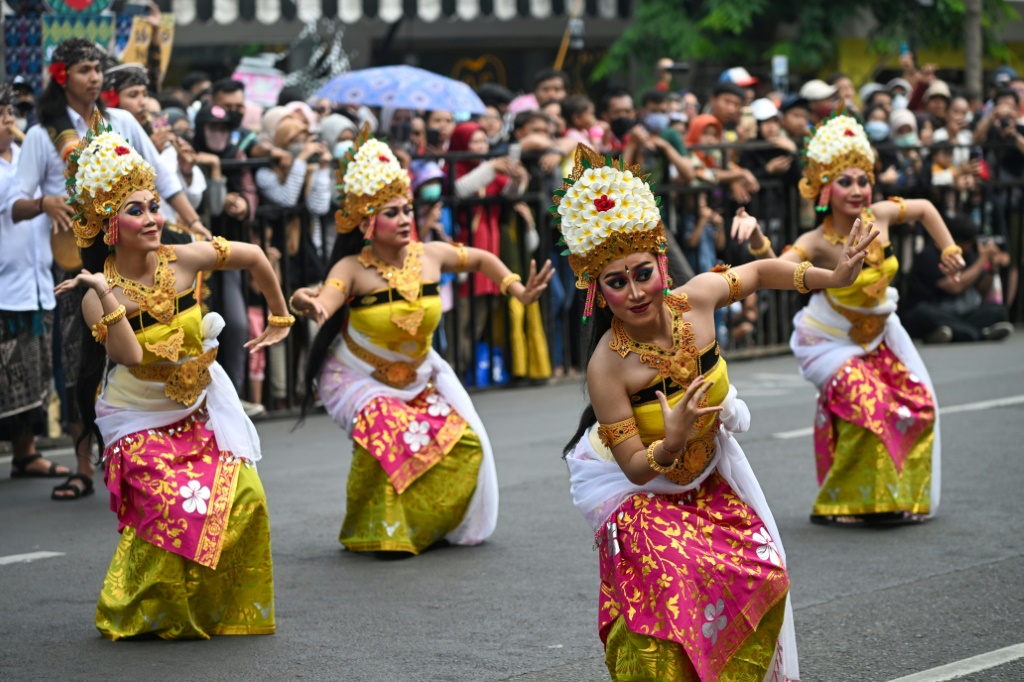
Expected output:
{"points": [[402, 87]]}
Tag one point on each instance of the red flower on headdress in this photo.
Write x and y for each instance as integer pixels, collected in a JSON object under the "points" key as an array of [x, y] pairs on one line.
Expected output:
{"points": [[110, 98], [121, 150], [383, 159], [603, 203], [59, 72], [849, 133]]}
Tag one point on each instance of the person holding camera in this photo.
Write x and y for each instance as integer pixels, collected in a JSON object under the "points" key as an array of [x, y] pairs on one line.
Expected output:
{"points": [[943, 308]]}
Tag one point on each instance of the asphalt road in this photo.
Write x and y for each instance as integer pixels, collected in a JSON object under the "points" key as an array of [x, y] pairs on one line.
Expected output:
{"points": [[870, 604]]}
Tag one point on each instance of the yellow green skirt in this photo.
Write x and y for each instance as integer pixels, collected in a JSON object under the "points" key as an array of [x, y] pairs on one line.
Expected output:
{"points": [[379, 519], [632, 657], [150, 591]]}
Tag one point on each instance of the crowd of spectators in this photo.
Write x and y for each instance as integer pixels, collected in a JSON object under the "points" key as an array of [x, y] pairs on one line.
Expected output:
{"points": [[268, 176]]}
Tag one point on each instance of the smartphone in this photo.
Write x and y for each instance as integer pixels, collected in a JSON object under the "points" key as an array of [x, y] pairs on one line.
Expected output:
{"points": [[160, 123], [515, 152], [433, 137]]}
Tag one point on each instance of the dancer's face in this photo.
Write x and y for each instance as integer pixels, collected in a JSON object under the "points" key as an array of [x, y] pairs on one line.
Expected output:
{"points": [[394, 225], [851, 192], [632, 287], [139, 222]]}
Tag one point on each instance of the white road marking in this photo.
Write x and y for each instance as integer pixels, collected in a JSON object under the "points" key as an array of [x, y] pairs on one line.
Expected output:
{"points": [[950, 409], [27, 558], [967, 666]]}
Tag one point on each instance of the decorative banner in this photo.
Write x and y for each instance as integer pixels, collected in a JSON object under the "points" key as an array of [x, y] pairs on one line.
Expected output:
{"points": [[23, 50], [78, 7], [137, 50], [56, 29], [262, 81], [165, 39]]}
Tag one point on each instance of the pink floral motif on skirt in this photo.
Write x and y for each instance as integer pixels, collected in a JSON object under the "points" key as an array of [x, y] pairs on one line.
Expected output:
{"points": [[174, 487], [699, 569], [878, 393]]}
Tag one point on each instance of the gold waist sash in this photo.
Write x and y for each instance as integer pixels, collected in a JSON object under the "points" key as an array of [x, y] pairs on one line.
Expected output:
{"points": [[183, 383], [398, 374], [695, 458], [865, 326]]}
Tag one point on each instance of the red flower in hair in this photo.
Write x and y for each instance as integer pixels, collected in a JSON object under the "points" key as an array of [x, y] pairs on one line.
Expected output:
{"points": [[59, 73], [603, 203], [121, 150], [110, 98]]}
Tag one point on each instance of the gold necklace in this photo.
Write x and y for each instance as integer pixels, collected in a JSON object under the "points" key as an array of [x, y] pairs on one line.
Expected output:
{"points": [[833, 237], [407, 281], [159, 301], [679, 363]]}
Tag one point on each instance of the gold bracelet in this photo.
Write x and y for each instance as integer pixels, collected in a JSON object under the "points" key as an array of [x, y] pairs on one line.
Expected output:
{"points": [[651, 462], [761, 252], [223, 248], [902, 203], [950, 250], [113, 317], [337, 285], [463, 255], [280, 320], [291, 307], [508, 281], [798, 277]]}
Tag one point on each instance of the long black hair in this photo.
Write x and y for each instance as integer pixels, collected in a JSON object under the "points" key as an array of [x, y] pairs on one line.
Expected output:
{"points": [[94, 356], [600, 323], [348, 244]]}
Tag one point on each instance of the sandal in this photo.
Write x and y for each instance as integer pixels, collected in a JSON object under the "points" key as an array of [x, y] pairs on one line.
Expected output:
{"points": [[19, 469], [78, 492]]}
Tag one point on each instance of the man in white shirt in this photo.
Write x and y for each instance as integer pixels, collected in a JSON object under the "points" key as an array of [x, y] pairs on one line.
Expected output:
{"points": [[26, 318], [66, 108]]}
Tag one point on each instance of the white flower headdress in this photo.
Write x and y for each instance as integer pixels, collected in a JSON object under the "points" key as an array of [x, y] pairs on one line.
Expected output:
{"points": [[838, 143], [369, 177]]}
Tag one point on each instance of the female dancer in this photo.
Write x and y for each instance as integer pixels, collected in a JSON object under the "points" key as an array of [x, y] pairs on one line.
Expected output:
{"points": [[693, 579], [876, 431], [194, 556], [422, 469]]}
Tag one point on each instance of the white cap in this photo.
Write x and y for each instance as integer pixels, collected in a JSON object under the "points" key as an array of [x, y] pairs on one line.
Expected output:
{"points": [[738, 76], [764, 109], [815, 90]]}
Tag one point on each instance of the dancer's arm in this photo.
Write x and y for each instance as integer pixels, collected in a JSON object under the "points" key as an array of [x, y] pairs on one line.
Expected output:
{"points": [[921, 210], [105, 316], [459, 258], [322, 303], [721, 289]]}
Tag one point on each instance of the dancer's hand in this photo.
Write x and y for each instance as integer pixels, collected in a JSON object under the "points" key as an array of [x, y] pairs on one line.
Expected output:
{"points": [[679, 420], [269, 337], [97, 282], [304, 302], [536, 283], [952, 264], [854, 251], [746, 228]]}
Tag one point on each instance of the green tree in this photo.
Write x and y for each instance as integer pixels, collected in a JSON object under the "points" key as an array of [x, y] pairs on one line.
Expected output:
{"points": [[750, 31]]}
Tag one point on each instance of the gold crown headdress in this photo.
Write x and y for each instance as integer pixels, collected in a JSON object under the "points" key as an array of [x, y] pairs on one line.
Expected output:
{"points": [[369, 177], [103, 170], [836, 144], [605, 210]]}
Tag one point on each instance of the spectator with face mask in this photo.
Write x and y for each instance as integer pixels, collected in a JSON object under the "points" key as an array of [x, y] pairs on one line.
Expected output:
{"points": [[656, 146]]}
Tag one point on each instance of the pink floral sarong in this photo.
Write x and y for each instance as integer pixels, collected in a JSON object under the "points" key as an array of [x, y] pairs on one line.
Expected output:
{"points": [[174, 487], [408, 438], [699, 569]]}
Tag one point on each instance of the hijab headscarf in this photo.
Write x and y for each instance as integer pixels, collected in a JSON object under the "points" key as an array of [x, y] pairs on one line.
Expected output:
{"points": [[460, 143], [697, 127]]}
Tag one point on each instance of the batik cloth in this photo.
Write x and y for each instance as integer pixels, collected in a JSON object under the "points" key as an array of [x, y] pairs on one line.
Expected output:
{"points": [[26, 371], [876, 427]]}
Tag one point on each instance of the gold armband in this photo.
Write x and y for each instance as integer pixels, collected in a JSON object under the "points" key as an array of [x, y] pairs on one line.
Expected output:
{"points": [[223, 248], [735, 288], [950, 250], [508, 281], [337, 285], [113, 317], [463, 256], [902, 203], [761, 252], [619, 432], [798, 277], [280, 320], [653, 463], [800, 251]]}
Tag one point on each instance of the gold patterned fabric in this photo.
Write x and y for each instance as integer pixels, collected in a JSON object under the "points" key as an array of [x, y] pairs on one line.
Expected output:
{"points": [[151, 591], [380, 519]]}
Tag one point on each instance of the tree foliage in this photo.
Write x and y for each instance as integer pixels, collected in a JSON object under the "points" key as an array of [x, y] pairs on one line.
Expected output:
{"points": [[748, 31]]}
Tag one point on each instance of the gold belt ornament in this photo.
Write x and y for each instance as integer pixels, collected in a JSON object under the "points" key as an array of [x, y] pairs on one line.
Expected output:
{"points": [[397, 374], [183, 383], [865, 326], [695, 458]]}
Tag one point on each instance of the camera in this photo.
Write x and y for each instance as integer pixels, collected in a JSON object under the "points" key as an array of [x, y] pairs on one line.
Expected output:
{"points": [[433, 137]]}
